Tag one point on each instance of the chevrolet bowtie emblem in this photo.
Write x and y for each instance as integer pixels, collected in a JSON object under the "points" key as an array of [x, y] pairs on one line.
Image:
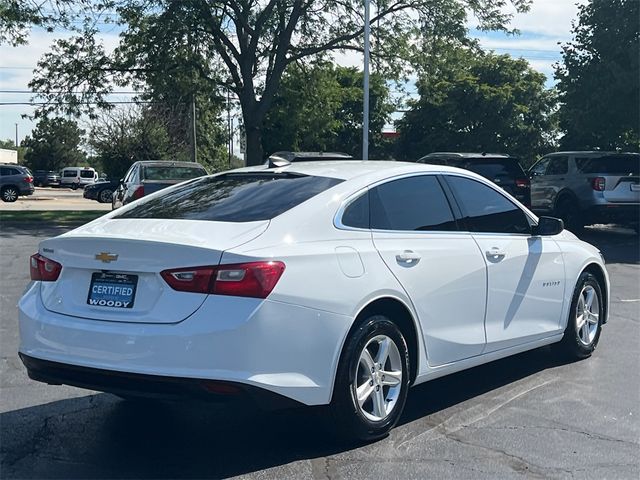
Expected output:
{"points": [[106, 257]]}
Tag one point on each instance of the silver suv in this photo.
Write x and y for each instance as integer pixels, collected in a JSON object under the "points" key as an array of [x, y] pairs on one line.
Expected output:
{"points": [[15, 180], [583, 188]]}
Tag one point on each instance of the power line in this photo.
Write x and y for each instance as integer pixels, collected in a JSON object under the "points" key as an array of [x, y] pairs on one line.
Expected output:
{"points": [[77, 103], [31, 92]]}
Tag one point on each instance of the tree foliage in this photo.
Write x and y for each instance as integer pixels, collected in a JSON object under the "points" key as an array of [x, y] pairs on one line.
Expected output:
{"points": [[479, 102], [599, 77], [54, 144], [320, 109], [247, 45]]}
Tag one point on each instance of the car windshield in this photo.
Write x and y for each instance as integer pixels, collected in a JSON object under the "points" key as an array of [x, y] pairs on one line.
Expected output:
{"points": [[615, 164], [233, 197], [172, 173]]}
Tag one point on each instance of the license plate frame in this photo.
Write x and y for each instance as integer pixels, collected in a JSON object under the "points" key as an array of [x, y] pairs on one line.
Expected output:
{"points": [[112, 290]]}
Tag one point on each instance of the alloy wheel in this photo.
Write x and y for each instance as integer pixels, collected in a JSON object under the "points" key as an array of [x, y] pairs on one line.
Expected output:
{"points": [[378, 379], [587, 315], [10, 194]]}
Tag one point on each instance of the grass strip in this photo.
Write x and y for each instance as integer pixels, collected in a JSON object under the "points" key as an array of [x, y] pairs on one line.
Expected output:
{"points": [[50, 216]]}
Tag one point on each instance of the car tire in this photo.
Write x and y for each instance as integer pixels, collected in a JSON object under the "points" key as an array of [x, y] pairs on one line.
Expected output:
{"points": [[583, 325], [9, 194], [74, 186], [371, 387], [568, 210], [105, 196]]}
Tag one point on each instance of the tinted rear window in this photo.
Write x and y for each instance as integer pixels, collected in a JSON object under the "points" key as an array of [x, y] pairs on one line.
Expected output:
{"points": [[491, 168], [87, 173], [615, 164], [172, 173], [233, 197]]}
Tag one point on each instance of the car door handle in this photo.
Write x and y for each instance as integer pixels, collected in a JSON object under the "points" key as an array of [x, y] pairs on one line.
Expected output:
{"points": [[408, 258], [495, 253]]}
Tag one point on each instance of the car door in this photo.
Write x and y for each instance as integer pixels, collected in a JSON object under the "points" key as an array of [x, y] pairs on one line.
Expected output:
{"points": [[525, 273], [439, 267], [120, 194]]}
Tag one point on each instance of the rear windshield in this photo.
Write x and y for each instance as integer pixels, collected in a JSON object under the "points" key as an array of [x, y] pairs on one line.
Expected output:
{"points": [[616, 164], [233, 197], [87, 173], [491, 168], [172, 173]]}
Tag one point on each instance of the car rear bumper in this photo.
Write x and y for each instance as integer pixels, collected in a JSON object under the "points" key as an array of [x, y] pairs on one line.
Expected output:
{"points": [[285, 349], [614, 213]]}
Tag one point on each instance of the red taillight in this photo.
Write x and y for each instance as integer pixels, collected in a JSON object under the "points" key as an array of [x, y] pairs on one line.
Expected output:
{"points": [[255, 279], [28, 179], [523, 183], [138, 192], [598, 184], [43, 268]]}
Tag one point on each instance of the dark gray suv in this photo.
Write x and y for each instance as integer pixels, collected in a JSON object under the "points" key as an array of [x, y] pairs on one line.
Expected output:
{"points": [[584, 188], [15, 180]]}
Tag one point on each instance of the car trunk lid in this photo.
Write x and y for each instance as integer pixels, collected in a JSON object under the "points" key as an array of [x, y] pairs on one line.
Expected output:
{"points": [[111, 268]]}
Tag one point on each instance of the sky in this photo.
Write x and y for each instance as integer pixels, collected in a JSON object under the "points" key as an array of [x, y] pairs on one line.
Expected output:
{"points": [[547, 24]]}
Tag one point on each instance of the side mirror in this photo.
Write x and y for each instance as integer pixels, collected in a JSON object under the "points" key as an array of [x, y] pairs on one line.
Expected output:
{"points": [[548, 226]]}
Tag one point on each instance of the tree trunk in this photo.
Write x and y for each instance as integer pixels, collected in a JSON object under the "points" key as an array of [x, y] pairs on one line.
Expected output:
{"points": [[255, 154]]}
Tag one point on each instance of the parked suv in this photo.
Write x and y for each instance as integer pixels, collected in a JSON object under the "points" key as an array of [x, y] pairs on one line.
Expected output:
{"points": [[503, 170], [146, 177], [15, 180], [43, 178], [584, 188]]}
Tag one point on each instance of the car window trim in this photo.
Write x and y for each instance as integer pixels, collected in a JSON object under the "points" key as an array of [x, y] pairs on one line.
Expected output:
{"points": [[532, 221], [337, 219]]}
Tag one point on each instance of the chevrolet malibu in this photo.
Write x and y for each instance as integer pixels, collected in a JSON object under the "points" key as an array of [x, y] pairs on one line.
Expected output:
{"points": [[327, 283]]}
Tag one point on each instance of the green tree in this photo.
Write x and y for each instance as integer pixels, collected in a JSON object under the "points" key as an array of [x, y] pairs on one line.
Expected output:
{"points": [[54, 144], [247, 45], [320, 109], [599, 77], [480, 102]]}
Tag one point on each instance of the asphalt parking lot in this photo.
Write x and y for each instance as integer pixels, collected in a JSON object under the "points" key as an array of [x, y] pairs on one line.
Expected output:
{"points": [[50, 198], [531, 415]]}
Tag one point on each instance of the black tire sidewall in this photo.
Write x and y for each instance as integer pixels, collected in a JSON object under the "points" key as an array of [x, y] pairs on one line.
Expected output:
{"points": [[100, 199], [571, 340], [350, 421]]}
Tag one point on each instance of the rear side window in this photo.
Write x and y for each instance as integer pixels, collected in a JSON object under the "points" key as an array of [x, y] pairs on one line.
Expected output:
{"points": [[413, 203], [233, 197], [172, 173], [558, 166], [486, 210], [357, 212], [70, 173], [9, 171], [614, 164]]}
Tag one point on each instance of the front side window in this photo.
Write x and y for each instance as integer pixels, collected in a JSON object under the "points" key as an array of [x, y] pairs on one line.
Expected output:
{"points": [[410, 204], [486, 210], [233, 197], [540, 168]]}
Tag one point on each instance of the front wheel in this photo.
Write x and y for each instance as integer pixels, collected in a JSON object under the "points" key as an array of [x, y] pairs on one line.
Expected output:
{"points": [[10, 194], [372, 380], [569, 211], [585, 319]]}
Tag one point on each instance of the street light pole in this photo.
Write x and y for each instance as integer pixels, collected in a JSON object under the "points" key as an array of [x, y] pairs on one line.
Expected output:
{"points": [[16, 135], [365, 120]]}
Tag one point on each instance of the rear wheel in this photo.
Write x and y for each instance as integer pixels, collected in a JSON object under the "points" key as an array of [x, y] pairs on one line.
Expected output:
{"points": [[105, 195], [568, 210], [585, 319], [372, 380], [74, 186], [10, 194]]}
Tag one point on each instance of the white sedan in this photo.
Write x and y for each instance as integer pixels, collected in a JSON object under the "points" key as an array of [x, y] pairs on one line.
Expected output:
{"points": [[324, 283]]}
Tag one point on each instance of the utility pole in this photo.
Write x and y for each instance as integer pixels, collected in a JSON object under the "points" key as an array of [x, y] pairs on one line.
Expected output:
{"points": [[16, 135], [194, 146], [365, 120], [229, 128]]}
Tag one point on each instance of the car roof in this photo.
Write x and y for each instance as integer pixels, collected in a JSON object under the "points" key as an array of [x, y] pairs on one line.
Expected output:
{"points": [[350, 169], [468, 155], [167, 163], [590, 153], [302, 156]]}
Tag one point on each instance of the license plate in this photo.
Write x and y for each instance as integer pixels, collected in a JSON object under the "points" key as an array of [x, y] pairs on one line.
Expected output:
{"points": [[116, 290], [635, 187]]}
